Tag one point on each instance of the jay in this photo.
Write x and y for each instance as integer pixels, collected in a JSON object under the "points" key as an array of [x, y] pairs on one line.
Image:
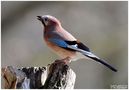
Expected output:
{"points": [[65, 44]]}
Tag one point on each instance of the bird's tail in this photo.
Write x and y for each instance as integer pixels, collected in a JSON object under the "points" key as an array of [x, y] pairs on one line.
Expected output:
{"points": [[94, 57]]}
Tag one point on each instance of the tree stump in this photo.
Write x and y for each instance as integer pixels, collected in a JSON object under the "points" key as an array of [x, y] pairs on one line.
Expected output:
{"points": [[57, 75]]}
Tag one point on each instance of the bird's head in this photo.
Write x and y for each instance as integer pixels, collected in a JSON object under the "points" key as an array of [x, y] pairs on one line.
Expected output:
{"points": [[48, 20]]}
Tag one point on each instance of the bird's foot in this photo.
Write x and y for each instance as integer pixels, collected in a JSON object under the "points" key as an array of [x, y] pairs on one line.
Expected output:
{"points": [[65, 60]]}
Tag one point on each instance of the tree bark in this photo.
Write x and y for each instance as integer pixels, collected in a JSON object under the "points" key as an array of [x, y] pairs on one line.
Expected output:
{"points": [[58, 75]]}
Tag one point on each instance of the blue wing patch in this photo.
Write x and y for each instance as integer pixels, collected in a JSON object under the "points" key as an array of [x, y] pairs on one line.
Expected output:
{"points": [[59, 42]]}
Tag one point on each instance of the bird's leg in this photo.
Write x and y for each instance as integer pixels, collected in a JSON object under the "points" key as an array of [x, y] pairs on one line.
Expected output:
{"points": [[65, 60]]}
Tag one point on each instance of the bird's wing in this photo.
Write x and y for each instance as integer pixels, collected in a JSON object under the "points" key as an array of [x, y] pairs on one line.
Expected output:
{"points": [[79, 47], [73, 45]]}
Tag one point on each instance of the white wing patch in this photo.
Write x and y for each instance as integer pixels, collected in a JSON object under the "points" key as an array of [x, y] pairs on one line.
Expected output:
{"points": [[74, 47]]}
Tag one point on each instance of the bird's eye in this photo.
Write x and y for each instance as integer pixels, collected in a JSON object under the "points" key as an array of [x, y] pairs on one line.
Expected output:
{"points": [[45, 19]]}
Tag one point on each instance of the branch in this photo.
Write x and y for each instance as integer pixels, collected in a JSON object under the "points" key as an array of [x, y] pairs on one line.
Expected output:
{"points": [[58, 76]]}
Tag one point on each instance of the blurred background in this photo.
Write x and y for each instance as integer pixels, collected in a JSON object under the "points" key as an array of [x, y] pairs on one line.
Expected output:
{"points": [[101, 25]]}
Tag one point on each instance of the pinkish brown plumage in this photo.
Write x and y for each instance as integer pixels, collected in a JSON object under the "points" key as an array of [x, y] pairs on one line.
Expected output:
{"points": [[63, 43], [54, 30]]}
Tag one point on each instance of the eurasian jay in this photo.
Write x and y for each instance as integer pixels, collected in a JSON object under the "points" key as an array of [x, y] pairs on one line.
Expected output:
{"points": [[64, 44]]}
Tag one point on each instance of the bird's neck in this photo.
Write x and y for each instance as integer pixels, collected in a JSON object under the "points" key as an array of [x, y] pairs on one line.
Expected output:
{"points": [[51, 28]]}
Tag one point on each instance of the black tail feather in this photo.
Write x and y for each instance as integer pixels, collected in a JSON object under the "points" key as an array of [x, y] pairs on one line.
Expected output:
{"points": [[104, 63]]}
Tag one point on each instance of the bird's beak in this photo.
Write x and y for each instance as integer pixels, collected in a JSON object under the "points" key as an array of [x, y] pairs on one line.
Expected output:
{"points": [[40, 19]]}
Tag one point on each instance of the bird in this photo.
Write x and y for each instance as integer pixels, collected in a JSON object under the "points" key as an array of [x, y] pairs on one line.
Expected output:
{"points": [[65, 44]]}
